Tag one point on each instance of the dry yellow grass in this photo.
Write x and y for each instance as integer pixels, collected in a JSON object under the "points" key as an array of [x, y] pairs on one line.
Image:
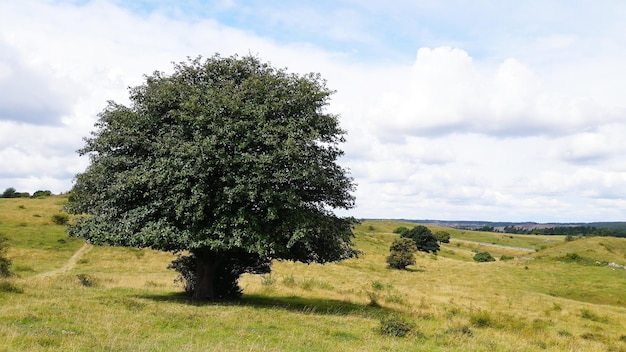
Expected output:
{"points": [[125, 299]]}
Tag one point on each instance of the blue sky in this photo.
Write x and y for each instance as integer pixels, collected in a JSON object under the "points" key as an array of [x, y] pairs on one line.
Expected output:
{"points": [[482, 110]]}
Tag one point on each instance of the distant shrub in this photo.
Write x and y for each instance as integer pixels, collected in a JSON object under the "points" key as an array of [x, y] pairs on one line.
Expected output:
{"points": [[9, 193], [484, 257], [41, 194], [442, 236], [570, 238], [60, 218], [401, 230], [371, 228], [12, 193], [401, 253], [506, 257], [576, 258], [5, 263], [423, 238], [395, 326]]}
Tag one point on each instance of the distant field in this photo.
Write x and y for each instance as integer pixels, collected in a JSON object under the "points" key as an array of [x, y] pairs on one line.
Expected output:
{"points": [[564, 297]]}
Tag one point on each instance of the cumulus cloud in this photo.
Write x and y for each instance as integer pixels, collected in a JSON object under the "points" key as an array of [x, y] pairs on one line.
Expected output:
{"points": [[30, 94], [449, 93]]}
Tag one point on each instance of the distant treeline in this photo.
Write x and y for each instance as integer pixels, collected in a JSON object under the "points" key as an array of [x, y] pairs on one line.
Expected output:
{"points": [[562, 230], [12, 193]]}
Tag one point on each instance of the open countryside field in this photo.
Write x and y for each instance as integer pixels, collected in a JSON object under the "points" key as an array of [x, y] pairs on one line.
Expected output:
{"points": [[561, 298]]}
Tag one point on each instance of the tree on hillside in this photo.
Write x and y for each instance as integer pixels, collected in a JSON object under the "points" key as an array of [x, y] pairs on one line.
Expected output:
{"points": [[442, 236], [228, 159], [401, 253], [10, 193], [423, 238], [484, 257], [41, 194], [400, 230]]}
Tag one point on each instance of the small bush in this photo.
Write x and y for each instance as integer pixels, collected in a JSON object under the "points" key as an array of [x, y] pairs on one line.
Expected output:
{"points": [[484, 257], [424, 239], [401, 230], [41, 194], [395, 326], [572, 257], [61, 218], [576, 258], [506, 257], [401, 253], [5, 263], [442, 236]]}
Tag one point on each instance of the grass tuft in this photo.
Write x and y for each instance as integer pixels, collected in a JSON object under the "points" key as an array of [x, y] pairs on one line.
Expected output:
{"points": [[395, 326]]}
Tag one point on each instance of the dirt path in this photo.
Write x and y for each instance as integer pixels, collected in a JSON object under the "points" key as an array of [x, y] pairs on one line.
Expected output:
{"points": [[70, 262], [497, 245]]}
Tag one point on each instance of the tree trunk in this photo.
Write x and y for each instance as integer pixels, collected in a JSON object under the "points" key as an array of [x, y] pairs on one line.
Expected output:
{"points": [[207, 263]]}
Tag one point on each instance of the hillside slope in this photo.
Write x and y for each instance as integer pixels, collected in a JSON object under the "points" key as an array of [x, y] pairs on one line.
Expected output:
{"points": [[123, 299]]}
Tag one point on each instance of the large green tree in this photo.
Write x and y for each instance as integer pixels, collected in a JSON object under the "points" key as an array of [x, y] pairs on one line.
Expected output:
{"points": [[228, 159], [423, 238]]}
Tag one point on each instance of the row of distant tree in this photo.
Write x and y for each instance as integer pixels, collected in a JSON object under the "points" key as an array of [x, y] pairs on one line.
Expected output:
{"points": [[560, 230], [12, 193]]}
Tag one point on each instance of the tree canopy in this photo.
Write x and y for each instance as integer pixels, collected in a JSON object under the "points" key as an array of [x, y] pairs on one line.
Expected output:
{"points": [[401, 253], [423, 238], [228, 158]]}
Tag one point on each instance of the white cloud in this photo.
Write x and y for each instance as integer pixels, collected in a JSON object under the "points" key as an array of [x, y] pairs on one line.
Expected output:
{"points": [[517, 117], [30, 93], [449, 93]]}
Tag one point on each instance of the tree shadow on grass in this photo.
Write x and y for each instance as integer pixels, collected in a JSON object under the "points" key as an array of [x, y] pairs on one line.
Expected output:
{"points": [[290, 303]]}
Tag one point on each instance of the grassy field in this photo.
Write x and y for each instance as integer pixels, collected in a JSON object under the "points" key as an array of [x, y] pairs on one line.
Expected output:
{"points": [[561, 298]]}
